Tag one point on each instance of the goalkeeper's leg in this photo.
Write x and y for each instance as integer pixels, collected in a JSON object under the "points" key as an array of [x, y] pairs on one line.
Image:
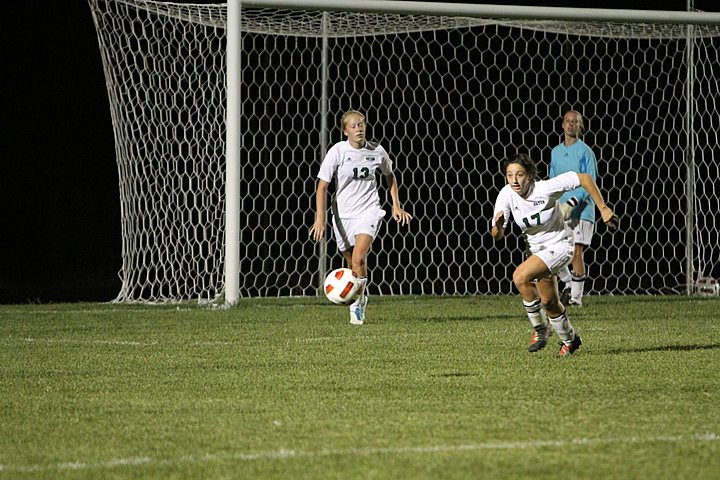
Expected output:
{"points": [[565, 276], [582, 233]]}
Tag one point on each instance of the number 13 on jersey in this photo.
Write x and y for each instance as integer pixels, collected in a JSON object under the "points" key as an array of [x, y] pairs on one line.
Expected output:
{"points": [[360, 173]]}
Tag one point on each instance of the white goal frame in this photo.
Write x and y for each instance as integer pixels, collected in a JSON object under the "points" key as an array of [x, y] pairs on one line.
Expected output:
{"points": [[695, 265]]}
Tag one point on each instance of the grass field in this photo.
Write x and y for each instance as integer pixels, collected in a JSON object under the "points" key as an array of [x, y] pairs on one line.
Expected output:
{"points": [[440, 388]]}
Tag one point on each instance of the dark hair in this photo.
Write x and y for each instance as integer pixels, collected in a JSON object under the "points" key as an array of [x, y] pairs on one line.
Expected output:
{"points": [[524, 160]]}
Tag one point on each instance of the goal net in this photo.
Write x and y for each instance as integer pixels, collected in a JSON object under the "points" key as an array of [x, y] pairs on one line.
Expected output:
{"points": [[449, 97]]}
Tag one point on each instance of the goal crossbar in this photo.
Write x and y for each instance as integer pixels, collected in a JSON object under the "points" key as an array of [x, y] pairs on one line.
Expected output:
{"points": [[494, 11]]}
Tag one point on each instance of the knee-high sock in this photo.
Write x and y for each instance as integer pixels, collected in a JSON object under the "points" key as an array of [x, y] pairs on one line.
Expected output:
{"points": [[563, 328], [535, 313]]}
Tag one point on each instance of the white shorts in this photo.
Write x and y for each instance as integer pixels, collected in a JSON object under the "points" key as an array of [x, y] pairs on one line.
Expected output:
{"points": [[582, 230], [556, 256], [346, 229]]}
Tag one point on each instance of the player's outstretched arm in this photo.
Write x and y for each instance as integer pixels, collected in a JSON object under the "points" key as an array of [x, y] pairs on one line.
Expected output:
{"points": [[611, 220]]}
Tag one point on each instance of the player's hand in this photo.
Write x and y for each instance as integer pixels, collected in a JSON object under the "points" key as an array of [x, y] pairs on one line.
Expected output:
{"points": [[497, 229], [401, 216], [611, 220], [317, 231], [499, 220]]}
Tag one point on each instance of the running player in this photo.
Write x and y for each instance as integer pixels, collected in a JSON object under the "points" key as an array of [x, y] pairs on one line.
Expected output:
{"points": [[354, 165], [533, 205]]}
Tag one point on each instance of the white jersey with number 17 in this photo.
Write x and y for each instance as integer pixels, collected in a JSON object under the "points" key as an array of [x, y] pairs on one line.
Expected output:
{"points": [[355, 173], [539, 220]]}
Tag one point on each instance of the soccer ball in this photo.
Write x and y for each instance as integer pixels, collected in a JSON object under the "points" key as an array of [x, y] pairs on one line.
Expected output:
{"points": [[707, 287], [341, 286]]}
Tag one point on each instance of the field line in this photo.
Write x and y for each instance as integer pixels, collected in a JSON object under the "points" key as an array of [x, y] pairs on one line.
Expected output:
{"points": [[58, 341], [124, 343], [284, 454]]}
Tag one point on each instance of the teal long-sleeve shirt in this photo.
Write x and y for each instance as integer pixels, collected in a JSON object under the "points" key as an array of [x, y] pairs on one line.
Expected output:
{"points": [[577, 158]]}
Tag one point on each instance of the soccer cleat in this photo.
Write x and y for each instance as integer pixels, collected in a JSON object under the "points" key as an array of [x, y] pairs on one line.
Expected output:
{"points": [[565, 295], [539, 338], [567, 350], [357, 312], [574, 303], [356, 315]]}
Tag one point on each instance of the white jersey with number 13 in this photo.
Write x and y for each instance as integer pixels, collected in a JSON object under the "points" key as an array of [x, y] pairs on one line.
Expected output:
{"points": [[355, 172]]}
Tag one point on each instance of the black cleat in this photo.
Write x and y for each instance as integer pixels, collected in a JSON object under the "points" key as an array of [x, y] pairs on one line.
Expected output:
{"points": [[567, 350], [539, 338]]}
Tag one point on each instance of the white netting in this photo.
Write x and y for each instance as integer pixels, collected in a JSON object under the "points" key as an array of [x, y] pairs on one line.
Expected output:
{"points": [[449, 97]]}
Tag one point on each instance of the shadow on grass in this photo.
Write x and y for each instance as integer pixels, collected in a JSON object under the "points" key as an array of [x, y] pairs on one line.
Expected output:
{"points": [[679, 298], [665, 348]]}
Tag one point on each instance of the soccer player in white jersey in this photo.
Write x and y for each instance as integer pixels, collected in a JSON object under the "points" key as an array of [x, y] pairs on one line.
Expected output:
{"points": [[354, 165], [574, 155], [533, 205]]}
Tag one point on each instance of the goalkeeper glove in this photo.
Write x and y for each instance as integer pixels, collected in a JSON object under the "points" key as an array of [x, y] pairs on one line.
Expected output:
{"points": [[567, 207]]}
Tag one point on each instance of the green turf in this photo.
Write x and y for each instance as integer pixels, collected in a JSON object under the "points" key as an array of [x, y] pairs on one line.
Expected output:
{"points": [[440, 388]]}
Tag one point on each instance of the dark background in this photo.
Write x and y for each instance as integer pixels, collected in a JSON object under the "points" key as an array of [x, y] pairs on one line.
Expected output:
{"points": [[60, 197]]}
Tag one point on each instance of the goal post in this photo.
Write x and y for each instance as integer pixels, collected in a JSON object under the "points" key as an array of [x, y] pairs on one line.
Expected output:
{"points": [[223, 112], [233, 152]]}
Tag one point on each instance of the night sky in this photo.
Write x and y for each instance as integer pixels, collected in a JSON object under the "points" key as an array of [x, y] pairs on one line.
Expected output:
{"points": [[60, 198]]}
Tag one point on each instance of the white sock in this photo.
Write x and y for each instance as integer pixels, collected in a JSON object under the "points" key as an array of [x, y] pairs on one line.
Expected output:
{"points": [[362, 282], [535, 313], [577, 287], [563, 328]]}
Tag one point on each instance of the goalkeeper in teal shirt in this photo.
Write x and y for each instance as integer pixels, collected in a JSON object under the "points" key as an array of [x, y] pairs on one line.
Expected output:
{"points": [[573, 155]]}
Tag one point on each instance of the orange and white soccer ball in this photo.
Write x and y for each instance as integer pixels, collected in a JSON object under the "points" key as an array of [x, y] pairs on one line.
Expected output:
{"points": [[341, 286], [707, 287]]}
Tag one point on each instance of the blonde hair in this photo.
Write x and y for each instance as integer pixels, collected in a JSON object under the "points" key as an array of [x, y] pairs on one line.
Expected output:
{"points": [[344, 118]]}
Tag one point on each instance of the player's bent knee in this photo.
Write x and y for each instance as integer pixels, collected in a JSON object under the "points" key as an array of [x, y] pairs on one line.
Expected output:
{"points": [[520, 278]]}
